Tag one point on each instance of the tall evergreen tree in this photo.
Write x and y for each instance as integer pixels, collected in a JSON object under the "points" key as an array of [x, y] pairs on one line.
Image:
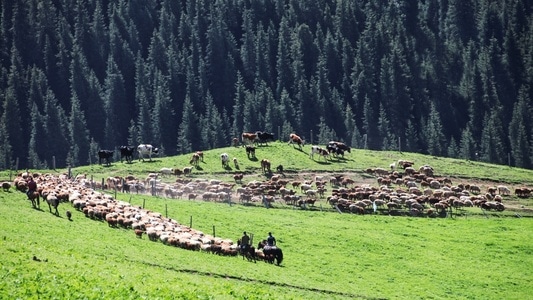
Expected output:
{"points": [[37, 140], [518, 131], [433, 132], [114, 97], [188, 129], [14, 121], [57, 135], [163, 115], [467, 146], [78, 135]]}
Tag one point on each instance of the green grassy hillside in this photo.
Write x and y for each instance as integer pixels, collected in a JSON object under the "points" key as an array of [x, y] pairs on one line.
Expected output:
{"points": [[327, 255]]}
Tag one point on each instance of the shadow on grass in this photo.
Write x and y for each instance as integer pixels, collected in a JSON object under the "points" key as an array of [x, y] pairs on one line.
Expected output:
{"points": [[266, 282]]}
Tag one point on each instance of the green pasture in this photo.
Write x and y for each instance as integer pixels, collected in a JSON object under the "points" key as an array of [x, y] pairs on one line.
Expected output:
{"points": [[327, 255], [295, 160]]}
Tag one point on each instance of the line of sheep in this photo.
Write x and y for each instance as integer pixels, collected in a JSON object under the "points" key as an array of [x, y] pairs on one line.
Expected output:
{"points": [[101, 206]]}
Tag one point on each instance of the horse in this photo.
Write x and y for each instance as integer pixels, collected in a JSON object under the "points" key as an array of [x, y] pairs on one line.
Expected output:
{"points": [[34, 198], [249, 253], [272, 253]]}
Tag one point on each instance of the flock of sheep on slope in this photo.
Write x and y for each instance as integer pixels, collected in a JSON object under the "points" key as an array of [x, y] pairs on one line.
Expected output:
{"points": [[102, 206], [400, 189]]}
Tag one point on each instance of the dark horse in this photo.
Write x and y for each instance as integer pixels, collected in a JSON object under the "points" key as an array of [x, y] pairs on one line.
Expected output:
{"points": [[271, 252], [248, 252], [34, 198]]}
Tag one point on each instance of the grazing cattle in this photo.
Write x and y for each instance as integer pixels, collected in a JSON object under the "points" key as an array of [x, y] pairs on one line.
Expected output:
{"points": [[264, 137], [333, 149], [250, 151], [105, 155], [224, 157], [294, 139], [317, 150], [200, 155], [127, 153], [195, 159], [146, 150], [235, 142], [265, 165], [340, 145], [248, 138]]}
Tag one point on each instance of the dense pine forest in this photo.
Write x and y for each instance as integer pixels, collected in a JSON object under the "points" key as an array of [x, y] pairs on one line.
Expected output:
{"points": [[443, 77]]}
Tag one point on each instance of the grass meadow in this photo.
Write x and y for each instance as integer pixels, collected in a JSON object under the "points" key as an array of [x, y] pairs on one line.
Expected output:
{"points": [[327, 255]]}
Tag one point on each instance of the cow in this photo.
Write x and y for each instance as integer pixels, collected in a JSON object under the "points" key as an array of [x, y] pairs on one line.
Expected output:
{"points": [[333, 149], [146, 150], [250, 151], [295, 139], [264, 137], [235, 142], [318, 150], [195, 159], [200, 155], [340, 145], [106, 155], [265, 165], [126, 152], [224, 157], [248, 138]]}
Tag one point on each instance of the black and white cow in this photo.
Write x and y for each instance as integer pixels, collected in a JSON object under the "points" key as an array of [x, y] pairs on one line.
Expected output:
{"points": [[105, 155], [146, 150], [127, 153], [335, 150], [318, 150], [224, 157], [340, 145], [250, 151]]}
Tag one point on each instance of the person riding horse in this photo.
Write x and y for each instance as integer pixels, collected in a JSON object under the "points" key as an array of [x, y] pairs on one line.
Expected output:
{"points": [[271, 251], [32, 187], [271, 240], [245, 242]]}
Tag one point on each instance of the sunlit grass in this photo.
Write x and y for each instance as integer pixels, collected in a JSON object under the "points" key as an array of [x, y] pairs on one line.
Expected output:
{"points": [[327, 255]]}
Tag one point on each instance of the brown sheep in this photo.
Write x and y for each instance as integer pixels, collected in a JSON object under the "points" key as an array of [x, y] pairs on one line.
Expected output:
{"points": [[6, 186]]}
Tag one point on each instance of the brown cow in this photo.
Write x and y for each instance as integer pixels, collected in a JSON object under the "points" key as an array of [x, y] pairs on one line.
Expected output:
{"points": [[295, 139], [265, 165], [248, 138]]}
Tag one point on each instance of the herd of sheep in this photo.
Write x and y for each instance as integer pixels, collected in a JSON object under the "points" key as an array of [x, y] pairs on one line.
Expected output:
{"points": [[102, 206], [399, 189]]}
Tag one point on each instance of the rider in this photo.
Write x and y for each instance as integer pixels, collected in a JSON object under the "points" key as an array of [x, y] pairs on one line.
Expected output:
{"points": [[32, 186], [271, 240], [245, 241]]}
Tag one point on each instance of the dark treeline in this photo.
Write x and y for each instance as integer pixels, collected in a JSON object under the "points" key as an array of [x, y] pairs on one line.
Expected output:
{"points": [[443, 77]]}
